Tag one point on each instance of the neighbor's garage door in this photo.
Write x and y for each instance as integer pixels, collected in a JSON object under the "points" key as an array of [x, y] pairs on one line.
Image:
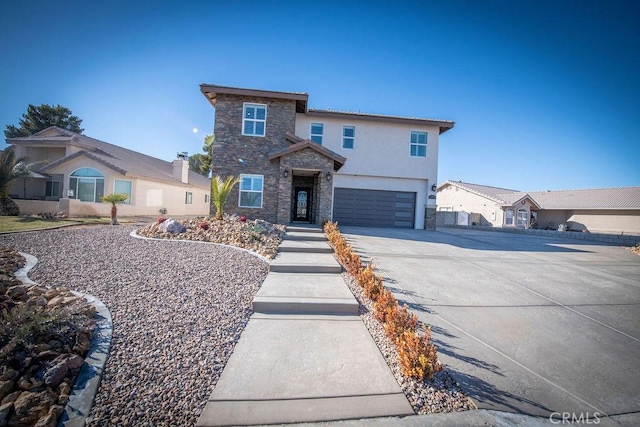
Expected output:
{"points": [[376, 208]]}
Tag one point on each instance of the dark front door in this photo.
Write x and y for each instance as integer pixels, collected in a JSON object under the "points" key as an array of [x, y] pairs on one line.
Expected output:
{"points": [[302, 204]]}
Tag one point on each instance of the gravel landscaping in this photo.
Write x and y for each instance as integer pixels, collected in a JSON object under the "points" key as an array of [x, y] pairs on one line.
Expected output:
{"points": [[178, 309]]}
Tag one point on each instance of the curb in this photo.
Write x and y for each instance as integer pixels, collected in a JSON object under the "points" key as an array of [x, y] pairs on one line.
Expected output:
{"points": [[135, 234], [88, 380]]}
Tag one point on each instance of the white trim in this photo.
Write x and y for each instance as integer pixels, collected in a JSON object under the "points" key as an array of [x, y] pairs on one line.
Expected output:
{"points": [[353, 138], [95, 184], [254, 120], [418, 144], [242, 176], [311, 134]]}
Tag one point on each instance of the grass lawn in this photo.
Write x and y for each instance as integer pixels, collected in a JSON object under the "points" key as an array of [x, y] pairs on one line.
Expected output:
{"points": [[18, 223]]}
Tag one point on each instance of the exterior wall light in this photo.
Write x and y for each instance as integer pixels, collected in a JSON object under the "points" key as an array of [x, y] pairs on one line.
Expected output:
{"points": [[285, 173], [328, 176], [69, 192], [434, 187]]}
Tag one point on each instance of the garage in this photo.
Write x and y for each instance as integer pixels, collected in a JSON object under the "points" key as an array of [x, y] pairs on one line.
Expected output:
{"points": [[374, 208]]}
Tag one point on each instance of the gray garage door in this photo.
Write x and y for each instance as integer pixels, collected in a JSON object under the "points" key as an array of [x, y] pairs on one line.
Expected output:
{"points": [[375, 208]]}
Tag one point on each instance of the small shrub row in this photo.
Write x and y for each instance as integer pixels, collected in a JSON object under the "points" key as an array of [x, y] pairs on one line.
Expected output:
{"points": [[417, 355]]}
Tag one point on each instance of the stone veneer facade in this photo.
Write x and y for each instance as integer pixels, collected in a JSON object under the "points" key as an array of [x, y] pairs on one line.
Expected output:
{"points": [[430, 218], [231, 146]]}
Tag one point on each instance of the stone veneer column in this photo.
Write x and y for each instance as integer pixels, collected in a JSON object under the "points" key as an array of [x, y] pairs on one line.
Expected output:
{"points": [[430, 218]]}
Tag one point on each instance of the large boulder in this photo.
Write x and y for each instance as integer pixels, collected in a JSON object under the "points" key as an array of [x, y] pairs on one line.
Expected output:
{"points": [[8, 207], [30, 407], [172, 226]]}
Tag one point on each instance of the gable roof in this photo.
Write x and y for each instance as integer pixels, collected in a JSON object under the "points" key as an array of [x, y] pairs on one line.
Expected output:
{"points": [[338, 160], [590, 198], [125, 161]]}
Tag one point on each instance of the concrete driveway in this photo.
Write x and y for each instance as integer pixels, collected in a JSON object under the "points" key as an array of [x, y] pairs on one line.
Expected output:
{"points": [[526, 324]]}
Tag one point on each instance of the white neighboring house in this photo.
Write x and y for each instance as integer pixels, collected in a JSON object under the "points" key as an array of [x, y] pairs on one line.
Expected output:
{"points": [[75, 170], [602, 210]]}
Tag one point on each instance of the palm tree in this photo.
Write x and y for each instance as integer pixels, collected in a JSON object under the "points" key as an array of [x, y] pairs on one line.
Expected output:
{"points": [[114, 199], [220, 190], [11, 167]]}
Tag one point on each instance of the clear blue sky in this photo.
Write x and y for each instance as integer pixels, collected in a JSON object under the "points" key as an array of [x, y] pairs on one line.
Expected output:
{"points": [[545, 94]]}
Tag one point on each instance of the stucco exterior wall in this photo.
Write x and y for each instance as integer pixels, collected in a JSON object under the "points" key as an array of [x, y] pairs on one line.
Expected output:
{"points": [[380, 149], [456, 199]]}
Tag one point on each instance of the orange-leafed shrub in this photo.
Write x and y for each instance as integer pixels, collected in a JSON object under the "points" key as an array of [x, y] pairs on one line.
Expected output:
{"points": [[398, 321], [385, 305], [373, 288], [417, 356]]}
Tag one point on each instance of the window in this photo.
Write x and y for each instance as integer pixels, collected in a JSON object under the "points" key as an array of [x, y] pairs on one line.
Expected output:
{"points": [[87, 185], [419, 144], [348, 137], [523, 217], [188, 198], [52, 189], [250, 191], [254, 119], [206, 198], [316, 132], [508, 217], [121, 186]]}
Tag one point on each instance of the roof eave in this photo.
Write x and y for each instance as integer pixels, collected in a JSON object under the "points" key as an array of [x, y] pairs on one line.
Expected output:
{"points": [[443, 125], [211, 93]]}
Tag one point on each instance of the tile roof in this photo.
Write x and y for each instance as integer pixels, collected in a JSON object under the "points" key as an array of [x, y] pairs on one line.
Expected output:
{"points": [[591, 198], [123, 160], [301, 144]]}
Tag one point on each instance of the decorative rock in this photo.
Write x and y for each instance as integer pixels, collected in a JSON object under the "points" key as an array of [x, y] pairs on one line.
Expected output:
{"points": [[11, 397], [6, 387], [37, 301], [172, 226], [18, 292], [51, 419], [83, 343], [64, 388], [62, 365], [30, 407], [9, 374], [29, 383], [5, 410]]}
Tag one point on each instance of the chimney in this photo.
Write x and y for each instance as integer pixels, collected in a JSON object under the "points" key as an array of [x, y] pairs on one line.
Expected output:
{"points": [[181, 170]]}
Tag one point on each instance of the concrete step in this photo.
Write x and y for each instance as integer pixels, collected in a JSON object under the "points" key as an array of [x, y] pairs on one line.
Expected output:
{"points": [[304, 235], [300, 262], [292, 293], [305, 229], [291, 369], [308, 246]]}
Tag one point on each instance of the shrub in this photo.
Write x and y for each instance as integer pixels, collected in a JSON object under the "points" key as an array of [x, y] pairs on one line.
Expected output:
{"points": [[398, 321], [385, 305], [417, 356], [161, 219]]}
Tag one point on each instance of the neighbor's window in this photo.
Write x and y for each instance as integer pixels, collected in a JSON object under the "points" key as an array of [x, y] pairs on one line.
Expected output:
{"points": [[206, 198], [188, 198], [87, 185], [317, 130], [523, 217], [250, 191], [52, 189], [348, 137], [122, 186], [508, 217], [254, 119], [418, 144]]}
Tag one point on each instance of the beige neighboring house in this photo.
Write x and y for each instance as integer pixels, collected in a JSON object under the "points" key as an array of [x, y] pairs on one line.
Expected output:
{"points": [[75, 170], [602, 210]]}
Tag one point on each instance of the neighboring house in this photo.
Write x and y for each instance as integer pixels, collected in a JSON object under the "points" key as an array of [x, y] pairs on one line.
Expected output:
{"points": [[304, 165], [75, 170], [606, 210]]}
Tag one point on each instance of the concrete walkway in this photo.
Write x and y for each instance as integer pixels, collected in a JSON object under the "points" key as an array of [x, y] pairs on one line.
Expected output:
{"points": [[305, 355]]}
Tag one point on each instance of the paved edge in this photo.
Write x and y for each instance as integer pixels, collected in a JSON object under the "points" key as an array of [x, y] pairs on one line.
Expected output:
{"points": [[88, 380], [260, 412], [135, 234]]}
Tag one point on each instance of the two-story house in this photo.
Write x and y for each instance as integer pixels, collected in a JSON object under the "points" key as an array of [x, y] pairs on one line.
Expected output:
{"points": [[306, 165]]}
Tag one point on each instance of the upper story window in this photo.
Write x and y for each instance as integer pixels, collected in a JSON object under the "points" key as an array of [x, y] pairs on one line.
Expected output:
{"points": [[87, 184], [348, 137], [317, 129], [250, 191], [254, 119], [418, 144]]}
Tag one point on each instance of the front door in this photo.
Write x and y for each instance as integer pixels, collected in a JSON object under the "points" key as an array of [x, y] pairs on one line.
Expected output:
{"points": [[302, 204]]}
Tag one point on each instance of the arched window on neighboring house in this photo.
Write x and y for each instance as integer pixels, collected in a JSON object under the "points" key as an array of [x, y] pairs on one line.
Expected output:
{"points": [[87, 185], [508, 217], [523, 217]]}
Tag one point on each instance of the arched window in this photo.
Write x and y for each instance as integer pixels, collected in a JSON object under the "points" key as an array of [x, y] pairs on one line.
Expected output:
{"points": [[87, 185], [508, 217], [523, 217]]}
